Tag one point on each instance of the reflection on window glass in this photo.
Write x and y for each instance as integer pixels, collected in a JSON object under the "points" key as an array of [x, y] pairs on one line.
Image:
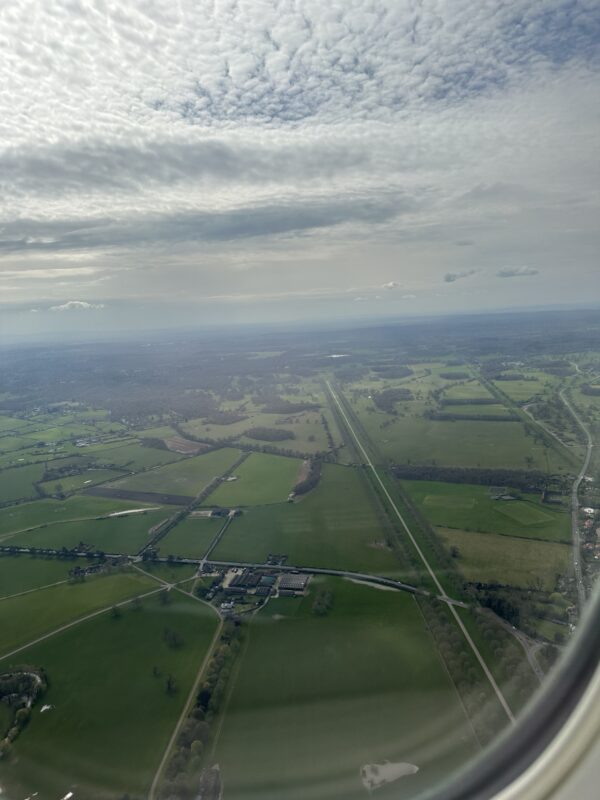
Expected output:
{"points": [[299, 390]]}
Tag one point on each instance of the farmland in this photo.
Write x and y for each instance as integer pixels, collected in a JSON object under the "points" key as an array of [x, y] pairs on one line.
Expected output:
{"points": [[474, 508], [186, 477], [523, 563], [23, 573], [261, 479], [316, 530], [191, 537], [122, 534], [118, 658], [24, 618], [320, 720]]}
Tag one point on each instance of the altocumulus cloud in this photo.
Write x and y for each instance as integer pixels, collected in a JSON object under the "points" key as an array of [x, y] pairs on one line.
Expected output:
{"points": [[317, 137], [516, 272], [77, 305]]}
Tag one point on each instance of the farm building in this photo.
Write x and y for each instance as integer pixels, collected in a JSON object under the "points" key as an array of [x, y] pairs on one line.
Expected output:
{"points": [[294, 582]]}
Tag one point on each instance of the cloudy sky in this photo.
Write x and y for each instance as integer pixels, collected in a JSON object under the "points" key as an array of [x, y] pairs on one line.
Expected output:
{"points": [[283, 159]]}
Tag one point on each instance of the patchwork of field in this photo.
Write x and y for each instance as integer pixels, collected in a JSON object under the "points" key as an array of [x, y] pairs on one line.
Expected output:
{"points": [[376, 692], [122, 534], [470, 507], [132, 456], [523, 390], [186, 477], [101, 671], [490, 558], [191, 538], [335, 525], [259, 480], [23, 619]]}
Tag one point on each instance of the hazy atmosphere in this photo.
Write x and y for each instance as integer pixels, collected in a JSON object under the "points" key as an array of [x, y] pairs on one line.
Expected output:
{"points": [[231, 161]]}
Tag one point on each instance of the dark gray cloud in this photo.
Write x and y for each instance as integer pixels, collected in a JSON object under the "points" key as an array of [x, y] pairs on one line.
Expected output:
{"points": [[516, 272], [451, 277]]}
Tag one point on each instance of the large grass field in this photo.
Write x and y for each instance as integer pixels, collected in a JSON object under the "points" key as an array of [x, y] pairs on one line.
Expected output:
{"points": [[316, 698], [111, 717], [492, 558], [470, 390], [460, 505], [191, 538], [335, 525], [132, 456], [71, 483], [261, 479], [125, 534], [186, 477], [23, 619], [22, 573], [461, 443], [28, 515], [17, 483]]}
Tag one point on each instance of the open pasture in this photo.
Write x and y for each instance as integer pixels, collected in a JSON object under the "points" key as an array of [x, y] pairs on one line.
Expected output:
{"points": [[42, 512], [24, 572], [99, 672], [259, 480], [17, 483], [376, 691], [467, 390], [71, 483], [461, 443], [133, 456], [335, 525], [23, 619], [192, 537], [126, 534], [187, 476], [470, 507], [492, 558]]}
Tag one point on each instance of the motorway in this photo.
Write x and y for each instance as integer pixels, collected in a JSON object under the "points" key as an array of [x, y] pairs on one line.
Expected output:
{"points": [[575, 501], [426, 564]]}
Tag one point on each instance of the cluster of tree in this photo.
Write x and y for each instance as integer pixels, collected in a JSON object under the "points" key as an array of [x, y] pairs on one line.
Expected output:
{"points": [[277, 405], [325, 425], [588, 389], [153, 441], [501, 606], [312, 478], [185, 765], [224, 418], [386, 400], [455, 376], [471, 401], [323, 603], [20, 688], [454, 417], [270, 434], [173, 639], [512, 376], [393, 371], [527, 481]]}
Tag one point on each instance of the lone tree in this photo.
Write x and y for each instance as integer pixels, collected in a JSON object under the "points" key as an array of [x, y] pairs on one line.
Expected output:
{"points": [[170, 685], [115, 612]]}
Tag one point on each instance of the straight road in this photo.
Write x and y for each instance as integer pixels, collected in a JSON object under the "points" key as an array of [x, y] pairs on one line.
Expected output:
{"points": [[426, 563], [575, 500]]}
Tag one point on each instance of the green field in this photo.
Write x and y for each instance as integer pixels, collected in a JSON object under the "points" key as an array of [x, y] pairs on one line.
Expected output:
{"points": [[191, 537], [492, 558], [261, 479], [11, 424], [186, 477], [376, 691], [461, 443], [72, 483], [17, 483], [126, 534], [495, 409], [111, 717], [21, 573], [470, 390], [335, 525], [28, 515], [470, 507], [23, 619], [132, 456]]}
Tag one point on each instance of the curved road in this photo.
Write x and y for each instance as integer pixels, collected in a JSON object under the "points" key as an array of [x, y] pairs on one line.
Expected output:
{"points": [[575, 501]]}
